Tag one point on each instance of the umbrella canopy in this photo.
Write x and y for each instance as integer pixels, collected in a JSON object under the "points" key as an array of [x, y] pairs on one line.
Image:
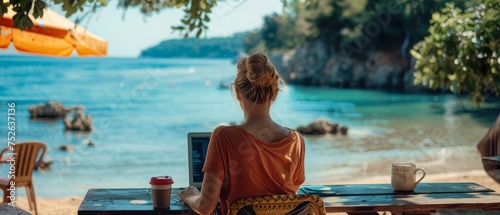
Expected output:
{"points": [[52, 35]]}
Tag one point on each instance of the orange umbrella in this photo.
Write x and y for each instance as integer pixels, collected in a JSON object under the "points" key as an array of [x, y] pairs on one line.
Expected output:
{"points": [[52, 35]]}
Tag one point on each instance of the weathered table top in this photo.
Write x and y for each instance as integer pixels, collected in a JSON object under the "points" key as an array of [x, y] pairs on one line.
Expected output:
{"points": [[386, 189], [5, 208], [128, 201], [426, 197]]}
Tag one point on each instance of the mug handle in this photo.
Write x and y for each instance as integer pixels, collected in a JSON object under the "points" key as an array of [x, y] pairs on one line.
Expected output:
{"points": [[415, 172]]}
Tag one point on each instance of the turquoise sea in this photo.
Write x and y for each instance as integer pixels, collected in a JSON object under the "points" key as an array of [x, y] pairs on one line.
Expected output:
{"points": [[142, 110]]}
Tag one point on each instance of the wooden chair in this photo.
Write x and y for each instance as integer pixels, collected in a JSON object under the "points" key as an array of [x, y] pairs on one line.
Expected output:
{"points": [[278, 205], [27, 154]]}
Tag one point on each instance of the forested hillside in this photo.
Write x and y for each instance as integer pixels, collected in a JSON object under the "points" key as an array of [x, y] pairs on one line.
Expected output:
{"points": [[218, 47]]}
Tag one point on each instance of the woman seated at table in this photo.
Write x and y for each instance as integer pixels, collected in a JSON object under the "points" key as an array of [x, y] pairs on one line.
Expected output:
{"points": [[258, 157]]}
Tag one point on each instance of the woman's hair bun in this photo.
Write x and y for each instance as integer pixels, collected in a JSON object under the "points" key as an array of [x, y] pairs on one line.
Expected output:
{"points": [[260, 71], [257, 79]]}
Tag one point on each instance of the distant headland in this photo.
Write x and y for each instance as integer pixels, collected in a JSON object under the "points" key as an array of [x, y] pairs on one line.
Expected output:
{"points": [[216, 47]]}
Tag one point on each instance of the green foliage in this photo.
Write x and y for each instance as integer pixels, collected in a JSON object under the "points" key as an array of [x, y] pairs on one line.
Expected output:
{"points": [[307, 4], [338, 21], [356, 24], [197, 12], [3, 7], [281, 32], [222, 47], [21, 7], [277, 33], [38, 10], [462, 51], [375, 24]]}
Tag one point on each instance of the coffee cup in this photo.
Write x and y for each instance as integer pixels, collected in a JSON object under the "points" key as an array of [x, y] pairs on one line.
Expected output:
{"points": [[403, 176], [161, 190]]}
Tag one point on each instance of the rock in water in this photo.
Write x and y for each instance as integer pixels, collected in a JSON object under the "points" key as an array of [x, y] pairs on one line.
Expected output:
{"points": [[43, 165], [343, 130], [89, 143], [67, 148], [321, 127], [318, 127], [80, 122], [51, 110]]}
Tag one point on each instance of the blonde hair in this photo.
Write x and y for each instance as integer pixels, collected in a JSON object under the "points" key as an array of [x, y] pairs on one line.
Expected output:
{"points": [[257, 79]]}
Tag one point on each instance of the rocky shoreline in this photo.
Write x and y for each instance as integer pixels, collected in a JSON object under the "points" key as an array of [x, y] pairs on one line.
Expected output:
{"points": [[317, 64]]}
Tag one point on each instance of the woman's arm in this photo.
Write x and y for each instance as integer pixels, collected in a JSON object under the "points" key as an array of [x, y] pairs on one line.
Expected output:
{"points": [[206, 201]]}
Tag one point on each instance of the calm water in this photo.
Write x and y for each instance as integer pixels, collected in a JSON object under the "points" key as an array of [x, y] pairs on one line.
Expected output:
{"points": [[142, 110]]}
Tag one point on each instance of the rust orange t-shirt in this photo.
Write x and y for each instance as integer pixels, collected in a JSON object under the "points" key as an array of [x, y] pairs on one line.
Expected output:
{"points": [[249, 167]]}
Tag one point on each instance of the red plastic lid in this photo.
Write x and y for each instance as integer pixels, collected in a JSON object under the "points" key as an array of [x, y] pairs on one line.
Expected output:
{"points": [[161, 180]]}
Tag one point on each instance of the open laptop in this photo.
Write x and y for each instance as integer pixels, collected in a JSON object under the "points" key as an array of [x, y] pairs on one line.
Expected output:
{"points": [[197, 150]]}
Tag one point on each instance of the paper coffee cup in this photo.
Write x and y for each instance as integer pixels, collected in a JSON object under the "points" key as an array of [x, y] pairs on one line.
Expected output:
{"points": [[161, 190]]}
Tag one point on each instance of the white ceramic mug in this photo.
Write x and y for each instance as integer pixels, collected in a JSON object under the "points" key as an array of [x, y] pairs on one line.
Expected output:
{"points": [[403, 176]]}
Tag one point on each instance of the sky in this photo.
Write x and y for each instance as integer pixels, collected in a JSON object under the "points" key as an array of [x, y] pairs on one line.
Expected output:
{"points": [[130, 32], [128, 35]]}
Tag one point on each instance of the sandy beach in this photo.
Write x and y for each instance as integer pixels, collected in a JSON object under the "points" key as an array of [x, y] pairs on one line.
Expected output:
{"points": [[69, 205]]}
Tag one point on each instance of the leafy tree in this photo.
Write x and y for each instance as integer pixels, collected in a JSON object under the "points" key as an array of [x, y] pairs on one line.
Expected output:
{"points": [[277, 33], [197, 12], [375, 24], [280, 32], [338, 21], [462, 51]]}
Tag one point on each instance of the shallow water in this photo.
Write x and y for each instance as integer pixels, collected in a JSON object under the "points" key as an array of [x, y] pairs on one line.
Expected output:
{"points": [[142, 110]]}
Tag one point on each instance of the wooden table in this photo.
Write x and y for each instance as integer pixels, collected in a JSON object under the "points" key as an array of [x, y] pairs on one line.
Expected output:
{"points": [[426, 198], [5, 208], [128, 201]]}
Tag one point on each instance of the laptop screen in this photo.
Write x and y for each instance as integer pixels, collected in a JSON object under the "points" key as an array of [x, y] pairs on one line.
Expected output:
{"points": [[197, 150]]}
